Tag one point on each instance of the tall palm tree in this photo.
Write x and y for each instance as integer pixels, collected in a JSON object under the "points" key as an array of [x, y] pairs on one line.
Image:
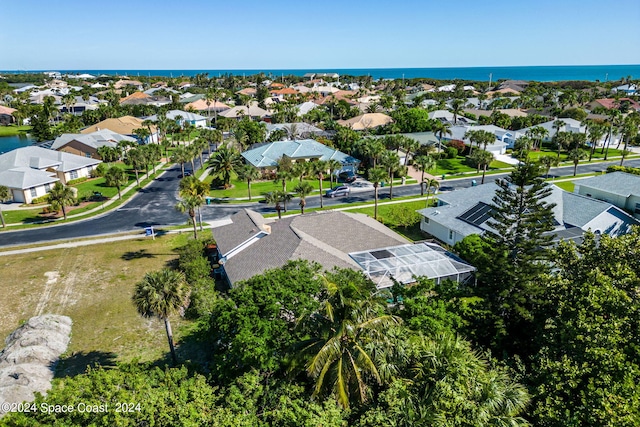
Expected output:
{"points": [[424, 163], [278, 198], [376, 176], [441, 129], [193, 193], [338, 355], [60, 197], [431, 183], [224, 162], [302, 190], [162, 294], [180, 155], [391, 162], [371, 148], [332, 166], [537, 134], [482, 159], [135, 159], [319, 168], [575, 156], [5, 194], [116, 177], [457, 105], [562, 140], [596, 132], [548, 162], [248, 173]]}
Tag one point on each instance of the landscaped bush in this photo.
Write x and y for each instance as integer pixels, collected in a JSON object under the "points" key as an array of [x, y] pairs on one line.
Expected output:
{"points": [[627, 169], [100, 171], [39, 200], [194, 263], [77, 180], [452, 152], [457, 144]]}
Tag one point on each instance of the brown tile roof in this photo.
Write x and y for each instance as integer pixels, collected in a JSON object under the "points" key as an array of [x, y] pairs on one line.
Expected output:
{"points": [[135, 95], [123, 125], [610, 103], [285, 91], [7, 110], [201, 105]]}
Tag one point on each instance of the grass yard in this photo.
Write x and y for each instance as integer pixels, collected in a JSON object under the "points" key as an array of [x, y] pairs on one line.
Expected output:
{"points": [[566, 185], [458, 166], [239, 189], [13, 130], [92, 285], [387, 214]]}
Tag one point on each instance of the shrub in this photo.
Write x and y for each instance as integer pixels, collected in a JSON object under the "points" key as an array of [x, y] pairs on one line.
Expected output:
{"points": [[457, 144], [77, 180], [101, 170], [627, 169], [41, 199], [452, 152]]}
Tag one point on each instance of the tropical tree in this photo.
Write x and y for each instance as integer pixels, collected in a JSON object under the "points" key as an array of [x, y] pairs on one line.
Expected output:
{"points": [[116, 177], [391, 162], [346, 332], [302, 190], [423, 163], [223, 163], [376, 176], [279, 199], [108, 154], [575, 156], [441, 129], [547, 162], [371, 148], [537, 134], [192, 191], [60, 197], [431, 183], [482, 159], [596, 132], [162, 294], [5, 194], [457, 105], [333, 165], [135, 159], [248, 173], [319, 168]]}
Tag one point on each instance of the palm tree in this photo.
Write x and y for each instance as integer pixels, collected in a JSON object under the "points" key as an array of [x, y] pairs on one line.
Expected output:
{"points": [[162, 294], [338, 354], [135, 159], [371, 148], [429, 183], [391, 162], [192, 191], [537, 134], [482, 159], [302, 190], [441, 129], [69, 101], [548, 162], [424, 163], [575, 156], [376, 176], [60, 197], [318, 168], [596, 132], [116, 177], [332, 166], [562, 139], [248, 173], [457, 105], [5, 194], [108, 154], [277, 198], [224, 162]]}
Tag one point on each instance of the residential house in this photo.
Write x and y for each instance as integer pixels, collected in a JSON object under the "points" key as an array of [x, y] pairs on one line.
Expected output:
{"points": [[251, 245], [447, 116], [618, 188], [627, 89], [6, 115], [570, 125], [182, 117], [305, 107], [125, 125], [266, 155], [30, 172], [81, 105], [302, 130], [461, 213], [201, 106], [141, 98], [366, 121], [87, 144], [126, 82], [240, 111], [504, 138], [610, 103]]}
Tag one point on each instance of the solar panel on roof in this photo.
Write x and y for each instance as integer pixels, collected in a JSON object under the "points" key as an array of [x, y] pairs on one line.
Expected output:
{"points": [[477, 215]]}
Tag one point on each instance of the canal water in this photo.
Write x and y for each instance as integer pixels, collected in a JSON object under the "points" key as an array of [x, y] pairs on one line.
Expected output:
{"points": [[8, 143]]}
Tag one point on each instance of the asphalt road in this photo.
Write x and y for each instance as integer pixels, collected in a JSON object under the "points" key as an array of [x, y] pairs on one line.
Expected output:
{"points": [[154, 206]]}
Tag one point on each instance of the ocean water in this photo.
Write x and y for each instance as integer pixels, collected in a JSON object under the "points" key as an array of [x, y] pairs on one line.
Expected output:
{"points": [[539, 73], [8, 143]]}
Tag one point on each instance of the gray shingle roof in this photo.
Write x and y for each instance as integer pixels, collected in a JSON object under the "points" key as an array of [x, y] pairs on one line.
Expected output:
{"points": [[323, 237], [268, 154], [620, 183], [95, 139], [25, 177]]}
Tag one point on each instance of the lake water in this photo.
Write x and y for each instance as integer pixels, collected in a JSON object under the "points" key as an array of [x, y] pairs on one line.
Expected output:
{"points": [[8, 143]]}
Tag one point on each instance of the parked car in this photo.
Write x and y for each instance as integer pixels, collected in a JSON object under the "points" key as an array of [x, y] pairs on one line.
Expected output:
{"points": [[340, 190], [347, 177], [186, 174]]}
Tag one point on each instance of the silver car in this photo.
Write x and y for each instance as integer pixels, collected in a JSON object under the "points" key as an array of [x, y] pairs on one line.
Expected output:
{"points": [[340, 190]]}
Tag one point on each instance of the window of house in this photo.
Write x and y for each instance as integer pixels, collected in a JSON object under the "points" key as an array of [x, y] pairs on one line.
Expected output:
{"points": [[73, 174], [33, 192], [426, 220], [450, 234], [47, 187], [637, 208]]}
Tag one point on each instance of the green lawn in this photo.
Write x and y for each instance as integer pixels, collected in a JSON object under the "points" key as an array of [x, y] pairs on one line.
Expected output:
{"points": [[458, 166], [386, 216], [258, 188], [13, 130], [536, 155], [566, 185]]}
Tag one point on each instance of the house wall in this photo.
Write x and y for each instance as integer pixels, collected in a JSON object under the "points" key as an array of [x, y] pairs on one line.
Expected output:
{"points": [[614, 199], [26, 196], [633, 205], [79, 149], [81, 173], [440, 231]]}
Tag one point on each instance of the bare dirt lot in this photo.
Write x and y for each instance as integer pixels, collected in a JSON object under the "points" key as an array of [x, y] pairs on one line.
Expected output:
{"points": [[92, 285]]}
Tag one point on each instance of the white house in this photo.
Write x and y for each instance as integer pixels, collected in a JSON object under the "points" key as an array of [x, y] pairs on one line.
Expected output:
{"points": [[30, 172], [182, 117], [618, 188], [461, 213]]}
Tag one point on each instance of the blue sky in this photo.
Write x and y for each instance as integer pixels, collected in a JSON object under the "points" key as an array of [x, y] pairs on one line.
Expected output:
{"points": [[282, 34]]}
